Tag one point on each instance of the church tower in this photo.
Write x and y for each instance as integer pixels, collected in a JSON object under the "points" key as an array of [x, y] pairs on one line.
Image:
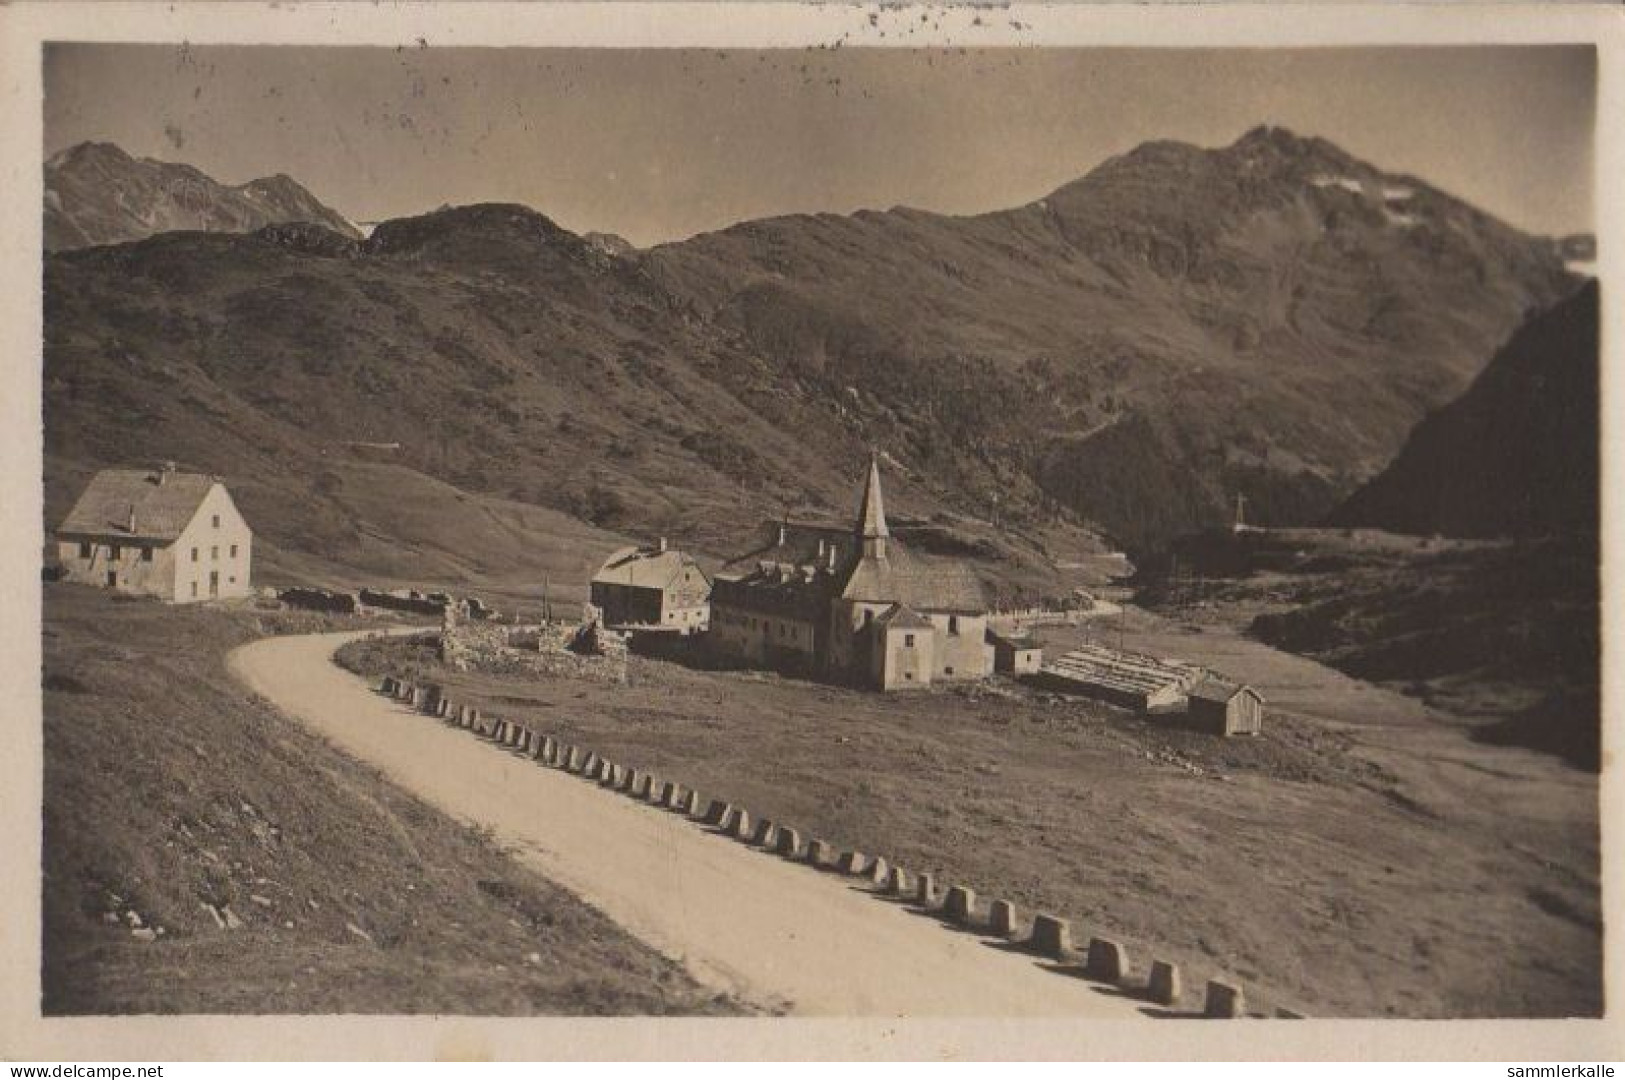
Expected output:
{"points": [[871, 527]]}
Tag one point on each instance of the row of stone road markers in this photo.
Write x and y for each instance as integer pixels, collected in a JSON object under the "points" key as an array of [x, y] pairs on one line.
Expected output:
{"points": [[1049, 936]]}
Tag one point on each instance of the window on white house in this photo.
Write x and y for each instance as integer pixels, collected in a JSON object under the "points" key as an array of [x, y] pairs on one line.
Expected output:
{"points": [[947, 671], [194, 554], [217, 521], [84, 549], [908, 641], [234, 551], [146, 554], [194, 589], [113, 552], [214, 552], [953, 624]]}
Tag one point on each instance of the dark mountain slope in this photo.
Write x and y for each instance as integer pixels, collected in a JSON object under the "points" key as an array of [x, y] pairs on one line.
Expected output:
{"points": [[1270, 318], [1516, 455], [95, 193]]}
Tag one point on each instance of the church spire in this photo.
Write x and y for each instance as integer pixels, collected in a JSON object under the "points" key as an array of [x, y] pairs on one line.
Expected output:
{"points": [[872, 528]]}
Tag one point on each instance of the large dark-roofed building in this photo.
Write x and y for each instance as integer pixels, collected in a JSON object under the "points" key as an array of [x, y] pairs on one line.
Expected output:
{"points": [[853, 605]]}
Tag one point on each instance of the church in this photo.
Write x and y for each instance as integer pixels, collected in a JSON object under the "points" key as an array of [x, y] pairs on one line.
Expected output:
{"points": [[852, 605]]}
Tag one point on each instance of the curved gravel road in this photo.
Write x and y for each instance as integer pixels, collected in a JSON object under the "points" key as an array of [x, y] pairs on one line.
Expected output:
{"points": [[779, 935]]}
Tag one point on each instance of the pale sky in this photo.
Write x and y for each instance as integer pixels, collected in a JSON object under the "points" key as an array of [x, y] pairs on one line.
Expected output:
{"points": [[661, 144]]}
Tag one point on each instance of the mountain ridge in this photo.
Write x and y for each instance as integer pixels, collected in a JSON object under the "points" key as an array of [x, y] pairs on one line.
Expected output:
{"points": [[96, 193], [1185, 325]]}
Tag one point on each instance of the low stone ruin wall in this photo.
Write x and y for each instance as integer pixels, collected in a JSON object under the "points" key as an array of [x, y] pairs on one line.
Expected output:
{"points": [[552, 650], [310, 598], [415, 602], [475, 646], [1055, 940], [319, 600]]}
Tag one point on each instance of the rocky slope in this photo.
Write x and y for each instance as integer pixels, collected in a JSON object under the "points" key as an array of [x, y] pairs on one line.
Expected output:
{"points": [[95, 193]]}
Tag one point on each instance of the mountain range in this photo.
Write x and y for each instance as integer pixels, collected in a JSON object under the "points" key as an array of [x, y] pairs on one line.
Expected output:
{"points": [[1107, 366], [95, 193]]}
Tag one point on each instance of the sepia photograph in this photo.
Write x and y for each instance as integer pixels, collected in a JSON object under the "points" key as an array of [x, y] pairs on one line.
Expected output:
{"points": [[903, 526]]}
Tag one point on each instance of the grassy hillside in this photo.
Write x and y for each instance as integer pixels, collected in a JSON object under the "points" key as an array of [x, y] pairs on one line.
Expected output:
{"points": [[168, 790], [477, 394], [357, 521], [1376, 868]]}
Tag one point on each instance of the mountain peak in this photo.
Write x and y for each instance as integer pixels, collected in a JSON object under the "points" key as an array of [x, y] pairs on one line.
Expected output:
{"points": [[276, 181], [1287, 147], [492, 234], [1269, 135], [610, 243], [492, 217], [88, 152]]}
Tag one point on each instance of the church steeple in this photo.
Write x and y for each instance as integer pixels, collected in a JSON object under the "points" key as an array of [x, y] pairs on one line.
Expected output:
{"points": [[871, 528]]}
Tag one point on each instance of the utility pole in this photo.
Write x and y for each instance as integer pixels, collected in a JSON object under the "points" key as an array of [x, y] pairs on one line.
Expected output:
{"points": [[1241, 516]]}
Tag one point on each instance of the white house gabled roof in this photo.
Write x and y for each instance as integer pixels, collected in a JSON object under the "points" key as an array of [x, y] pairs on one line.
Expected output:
{"points": [[141, 504], [645, 567]]}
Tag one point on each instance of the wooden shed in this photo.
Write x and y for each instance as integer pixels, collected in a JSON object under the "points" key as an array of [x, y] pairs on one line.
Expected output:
{"points": [[1223, 708]]}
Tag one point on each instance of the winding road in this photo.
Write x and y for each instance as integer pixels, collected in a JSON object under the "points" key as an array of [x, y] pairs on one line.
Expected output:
{"points": [[779, 935]]}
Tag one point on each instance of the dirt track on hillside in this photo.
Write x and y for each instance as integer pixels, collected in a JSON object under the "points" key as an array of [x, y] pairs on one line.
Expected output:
{"points": [[777, 934]]}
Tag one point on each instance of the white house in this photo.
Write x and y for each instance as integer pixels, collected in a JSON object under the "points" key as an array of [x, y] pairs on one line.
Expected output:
{"points": [[157, 532], [655, 588]]}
